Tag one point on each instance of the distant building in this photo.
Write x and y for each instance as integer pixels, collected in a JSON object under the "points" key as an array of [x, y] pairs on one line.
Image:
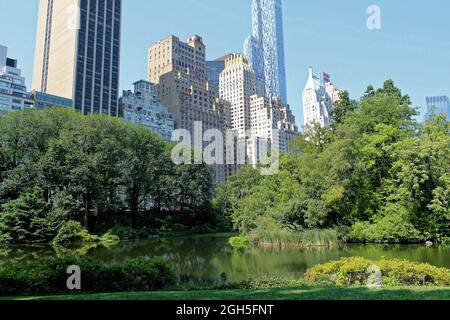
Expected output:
{"points": [[265, 48], [270, 117], [257, 120], [438, 105], [44, 100], [237, 85], [142, 108], [319, 96], [178, 70], [78, 57], [13, 92], [213, 70]]}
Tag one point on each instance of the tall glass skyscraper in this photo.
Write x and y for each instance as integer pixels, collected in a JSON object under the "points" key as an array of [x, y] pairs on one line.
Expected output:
{"points": [[438, 105], [265, 48], [78, 53]]}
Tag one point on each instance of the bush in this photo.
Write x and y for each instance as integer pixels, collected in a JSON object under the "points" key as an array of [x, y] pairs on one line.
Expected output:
{"points": [[124, 232], [266, 282], [239, 242], [389, 229], [355, 271], [71, 232], [178, 227], [49, 276], [202, 229]]}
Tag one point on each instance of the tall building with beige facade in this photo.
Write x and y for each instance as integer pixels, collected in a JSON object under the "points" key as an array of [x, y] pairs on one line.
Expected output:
{"points": [[178, 70], [272, 120], [78, 53], [258, 120], [237, 85]]}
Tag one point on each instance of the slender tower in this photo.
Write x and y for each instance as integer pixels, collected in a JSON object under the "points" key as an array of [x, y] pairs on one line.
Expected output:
{"points": [[265, 47], [78, 53]]}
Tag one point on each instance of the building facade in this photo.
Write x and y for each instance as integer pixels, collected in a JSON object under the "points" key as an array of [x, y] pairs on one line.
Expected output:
{"points": [[265, 48], [237, 85], [319, 96], [178, 70], [257, 120], [78, 53], [141, 107], [272, 120], [13, 92], [438, 105], [44, 100], [213, 70]]}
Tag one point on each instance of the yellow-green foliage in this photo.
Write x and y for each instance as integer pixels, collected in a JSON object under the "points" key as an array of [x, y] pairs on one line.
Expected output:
{"points": [[354, 271], [239, 242]]}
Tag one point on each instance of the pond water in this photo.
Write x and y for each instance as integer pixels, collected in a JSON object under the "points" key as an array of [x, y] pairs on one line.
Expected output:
{"points": [[202, 259]]}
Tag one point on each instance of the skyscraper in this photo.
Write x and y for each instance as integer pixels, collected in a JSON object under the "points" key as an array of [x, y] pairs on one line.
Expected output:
{"points": [[78, 53], [237, 85], [438, 105], [178, 70], [265, 48], [254, 118]]}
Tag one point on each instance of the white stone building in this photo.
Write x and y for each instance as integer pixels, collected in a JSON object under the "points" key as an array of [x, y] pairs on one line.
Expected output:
{"points": [[141, 107], [319, 96], [13, 92]]}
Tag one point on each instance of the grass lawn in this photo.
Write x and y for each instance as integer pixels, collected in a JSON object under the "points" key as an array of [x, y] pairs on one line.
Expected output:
{"points": [[298, 293]]}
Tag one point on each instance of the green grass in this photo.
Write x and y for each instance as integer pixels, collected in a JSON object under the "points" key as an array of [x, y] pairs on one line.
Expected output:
{"points": [[298, 293], [279, 238]]}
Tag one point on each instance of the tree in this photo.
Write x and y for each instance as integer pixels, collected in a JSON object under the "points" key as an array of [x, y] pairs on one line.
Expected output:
{"points": [[23, 220]]}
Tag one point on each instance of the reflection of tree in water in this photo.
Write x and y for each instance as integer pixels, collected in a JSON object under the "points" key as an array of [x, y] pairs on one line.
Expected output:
{"points": [[20, 254], [202, 259]]}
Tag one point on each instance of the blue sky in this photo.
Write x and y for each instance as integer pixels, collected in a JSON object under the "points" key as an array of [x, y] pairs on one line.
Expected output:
{"points": [[412, 48]]}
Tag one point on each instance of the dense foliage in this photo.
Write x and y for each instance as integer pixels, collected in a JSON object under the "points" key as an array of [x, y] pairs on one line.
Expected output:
{"points": [[59, 169], [360, 271], [374, 174], [49, 276]]}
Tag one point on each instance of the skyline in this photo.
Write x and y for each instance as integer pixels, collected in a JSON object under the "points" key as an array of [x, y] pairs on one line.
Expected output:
{"points": [[410, 48]]}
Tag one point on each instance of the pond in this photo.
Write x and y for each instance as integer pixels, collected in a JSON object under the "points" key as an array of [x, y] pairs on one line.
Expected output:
{"points": [[202, 259]]}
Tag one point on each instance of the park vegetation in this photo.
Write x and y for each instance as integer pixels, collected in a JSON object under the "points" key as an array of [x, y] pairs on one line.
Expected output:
{"points": [[373, 175], [67, 178], [360, 272], [49, 276]]}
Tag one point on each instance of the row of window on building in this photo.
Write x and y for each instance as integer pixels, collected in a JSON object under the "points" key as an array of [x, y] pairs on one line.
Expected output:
{"points": [[139, 107]]}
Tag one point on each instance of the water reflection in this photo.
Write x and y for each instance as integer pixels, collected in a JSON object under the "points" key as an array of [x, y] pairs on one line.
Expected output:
{"points": [[202, 259]]}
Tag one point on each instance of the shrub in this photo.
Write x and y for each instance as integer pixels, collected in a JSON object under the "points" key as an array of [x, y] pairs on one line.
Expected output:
{"points": [[109, 237], [266, 282], [124, 232], [392, 226], [239, 242], [71, 232], [202, 229], [178, 227], [48, 276], [354, 271]]}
